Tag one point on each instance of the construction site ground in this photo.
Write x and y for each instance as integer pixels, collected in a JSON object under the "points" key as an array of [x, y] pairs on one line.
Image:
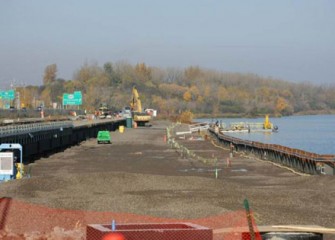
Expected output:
{"points": [[140, 178]]}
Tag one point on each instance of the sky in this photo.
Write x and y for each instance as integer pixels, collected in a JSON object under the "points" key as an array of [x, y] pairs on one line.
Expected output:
{"points": [[292, 40]]}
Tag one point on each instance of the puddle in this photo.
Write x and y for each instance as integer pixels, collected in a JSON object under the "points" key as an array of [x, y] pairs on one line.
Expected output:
{"points": [[200, 170], [239, 170], [196, 139]]}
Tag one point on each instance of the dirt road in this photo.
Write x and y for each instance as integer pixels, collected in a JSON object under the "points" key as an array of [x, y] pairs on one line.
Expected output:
{"points": [[140, 174]]}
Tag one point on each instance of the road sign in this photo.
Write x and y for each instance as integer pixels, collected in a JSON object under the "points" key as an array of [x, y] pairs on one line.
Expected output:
{"points": [[72, 98], [7, 95]]}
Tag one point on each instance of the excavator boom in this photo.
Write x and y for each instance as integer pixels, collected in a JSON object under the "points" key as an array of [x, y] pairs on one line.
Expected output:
{"points": [[140, 117], [136, 102]]}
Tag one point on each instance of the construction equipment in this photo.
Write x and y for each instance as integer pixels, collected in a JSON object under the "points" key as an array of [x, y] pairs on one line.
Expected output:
{"points": [[140, 117], [103, 137], [268, 125], [103, 111]]}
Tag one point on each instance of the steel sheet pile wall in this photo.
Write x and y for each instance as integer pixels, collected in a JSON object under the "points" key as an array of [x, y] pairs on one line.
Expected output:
{"points": [[45, 138], [300, 160]]}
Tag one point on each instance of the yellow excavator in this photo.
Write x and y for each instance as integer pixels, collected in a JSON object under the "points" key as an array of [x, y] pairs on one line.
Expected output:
{"points": [[140, 117]]}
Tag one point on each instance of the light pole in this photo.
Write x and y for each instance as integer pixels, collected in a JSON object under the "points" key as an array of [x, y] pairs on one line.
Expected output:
{"points": [[17, 100]]}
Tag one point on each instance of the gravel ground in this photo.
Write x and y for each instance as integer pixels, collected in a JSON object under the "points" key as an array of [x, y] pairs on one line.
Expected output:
{"points": [[140, 174]]}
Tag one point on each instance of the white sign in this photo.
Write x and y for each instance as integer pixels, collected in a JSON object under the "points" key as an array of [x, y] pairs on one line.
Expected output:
{"points": [[7, 163]]}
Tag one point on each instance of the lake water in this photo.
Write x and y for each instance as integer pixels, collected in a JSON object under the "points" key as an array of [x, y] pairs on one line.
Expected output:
{"points": [[314, 133]]}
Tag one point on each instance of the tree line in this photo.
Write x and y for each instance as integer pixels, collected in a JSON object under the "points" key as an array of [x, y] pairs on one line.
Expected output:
{"points": [[172, 91]]}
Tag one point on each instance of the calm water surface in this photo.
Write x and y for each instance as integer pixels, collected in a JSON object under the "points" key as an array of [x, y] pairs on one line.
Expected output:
{"points": [[310, 133]]}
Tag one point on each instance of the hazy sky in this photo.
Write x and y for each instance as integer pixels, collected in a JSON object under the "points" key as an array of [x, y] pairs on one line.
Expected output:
{"points": [[293, 40]]}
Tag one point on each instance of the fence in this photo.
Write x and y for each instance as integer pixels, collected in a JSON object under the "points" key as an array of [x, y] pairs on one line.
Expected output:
{"points": [[11, 130], [32, 113]]}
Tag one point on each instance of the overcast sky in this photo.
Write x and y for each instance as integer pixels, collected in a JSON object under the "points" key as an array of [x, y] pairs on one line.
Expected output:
{"points": [[293, 40]]}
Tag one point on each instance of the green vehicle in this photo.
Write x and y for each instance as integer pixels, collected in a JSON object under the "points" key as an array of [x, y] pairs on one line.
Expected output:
{"points": [[103, 137]]}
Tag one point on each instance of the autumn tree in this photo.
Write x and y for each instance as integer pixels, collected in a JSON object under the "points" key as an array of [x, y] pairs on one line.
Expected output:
{"points": [[30, 95], [113, 77], [171, 90], [187, 96], [126, 73], [283, 107], [45, 97], [50, 74], [192, 74], [94, 84], [88, 74], [186, 117], [173, 75], [222, 94], [56, 89], [161, 104], [71, 86], [143, 74]]}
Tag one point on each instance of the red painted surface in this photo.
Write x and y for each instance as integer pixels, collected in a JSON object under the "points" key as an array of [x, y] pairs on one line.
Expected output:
{"points": [[151, 231]]}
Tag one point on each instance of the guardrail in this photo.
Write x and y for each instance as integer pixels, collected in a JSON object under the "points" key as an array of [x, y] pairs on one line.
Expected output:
{"points": [[33, 127], [35, 113], [199, 127]]}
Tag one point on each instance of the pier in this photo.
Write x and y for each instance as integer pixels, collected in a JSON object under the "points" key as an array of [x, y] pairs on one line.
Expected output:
{"points": [[302, 161]]}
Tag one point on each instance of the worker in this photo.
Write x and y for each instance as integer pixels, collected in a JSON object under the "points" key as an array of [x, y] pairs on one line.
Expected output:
{"points": [[231, 149]]}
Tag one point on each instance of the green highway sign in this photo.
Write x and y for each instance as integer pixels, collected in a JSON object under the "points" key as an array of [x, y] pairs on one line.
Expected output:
{"points": [[7, 95], [77, 93], [73, 99]]}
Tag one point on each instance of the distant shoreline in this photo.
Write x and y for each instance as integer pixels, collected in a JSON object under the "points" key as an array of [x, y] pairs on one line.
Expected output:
{"points": [[231, 115]]}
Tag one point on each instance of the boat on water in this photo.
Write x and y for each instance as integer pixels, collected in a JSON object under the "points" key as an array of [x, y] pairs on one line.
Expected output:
{"points": [[245, 127], [234, 131]]}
